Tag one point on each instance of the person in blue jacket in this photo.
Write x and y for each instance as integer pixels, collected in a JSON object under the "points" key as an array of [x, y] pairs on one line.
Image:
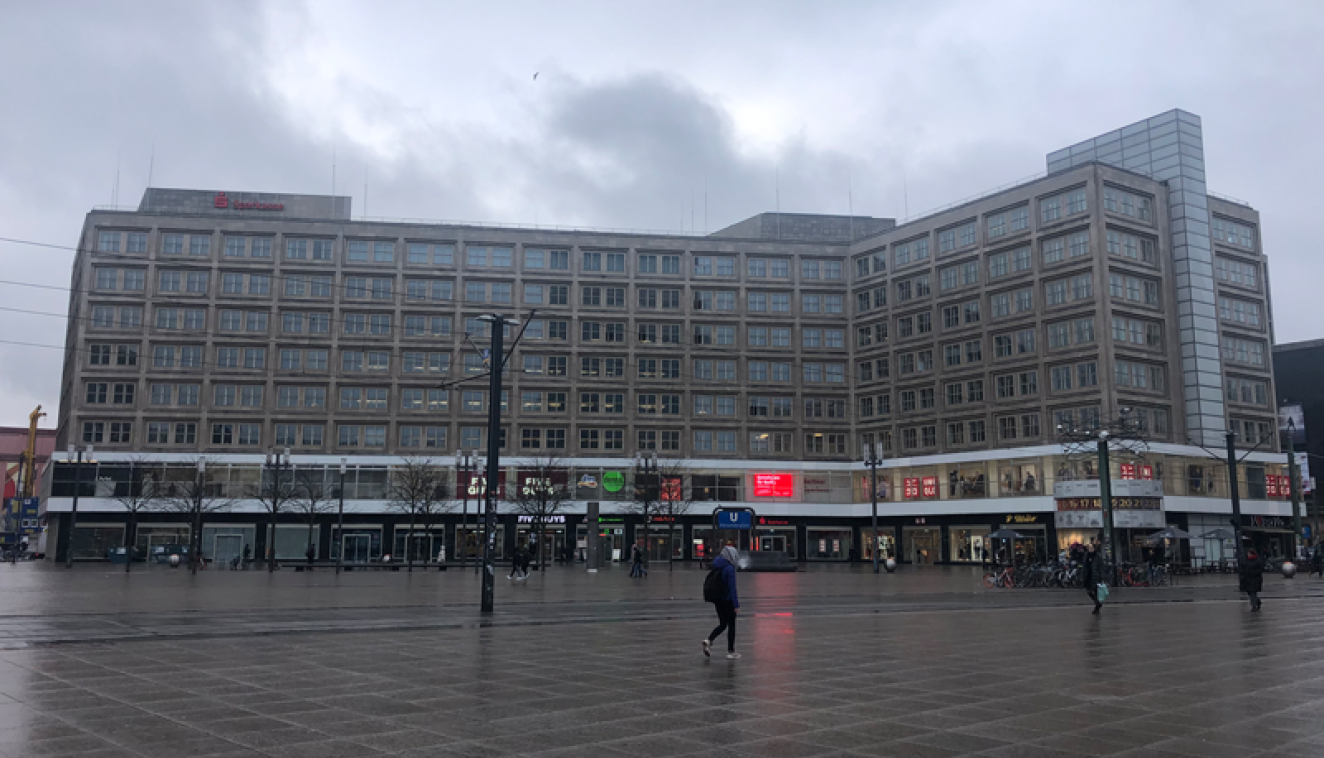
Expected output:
{"points": [[728, 607]]}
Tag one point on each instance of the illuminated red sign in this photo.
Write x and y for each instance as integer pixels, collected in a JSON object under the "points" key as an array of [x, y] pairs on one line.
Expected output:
{"points": [[930, 486], [1271, 485], [222, 201], [1146, 472], [672, 489], [1128, 471], [911, 488], [475, 484], [774, 485]]}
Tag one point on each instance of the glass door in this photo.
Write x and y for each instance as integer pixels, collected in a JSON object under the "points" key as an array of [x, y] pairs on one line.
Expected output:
{"points": [[357, 547], [226, 547]]}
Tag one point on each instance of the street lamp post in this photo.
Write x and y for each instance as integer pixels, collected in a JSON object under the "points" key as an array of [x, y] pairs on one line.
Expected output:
{"points": [[496, 365], [873, 460], [275, 505], [195, 552], [77, 455], [1106, 500], [462, 479], [1294, 482], [340, 516], [647, 464], [1234, 489]]}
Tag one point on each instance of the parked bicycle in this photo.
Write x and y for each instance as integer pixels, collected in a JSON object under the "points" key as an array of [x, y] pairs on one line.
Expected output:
{"points": [[1002, 577]]}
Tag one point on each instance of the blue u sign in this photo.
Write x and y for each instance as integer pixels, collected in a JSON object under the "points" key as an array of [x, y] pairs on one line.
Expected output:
{"points": [[734, 519]]}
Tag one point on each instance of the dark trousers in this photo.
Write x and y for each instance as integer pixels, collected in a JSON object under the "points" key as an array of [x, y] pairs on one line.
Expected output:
{"points": [[1254, 599], [726, 617]]}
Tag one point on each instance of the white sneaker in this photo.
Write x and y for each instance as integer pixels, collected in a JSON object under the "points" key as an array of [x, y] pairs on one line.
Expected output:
{"points": [[707, 648], [732, 656]]}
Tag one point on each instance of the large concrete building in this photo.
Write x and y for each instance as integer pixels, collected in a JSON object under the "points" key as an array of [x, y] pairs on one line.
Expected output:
{"points": [[763, 358]]}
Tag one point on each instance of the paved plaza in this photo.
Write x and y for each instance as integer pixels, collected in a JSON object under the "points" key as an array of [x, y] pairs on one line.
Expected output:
{"points": [[837, 662]]}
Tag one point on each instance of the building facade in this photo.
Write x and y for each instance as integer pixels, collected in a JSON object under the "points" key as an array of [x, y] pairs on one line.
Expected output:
{"points": [[762, 360]]}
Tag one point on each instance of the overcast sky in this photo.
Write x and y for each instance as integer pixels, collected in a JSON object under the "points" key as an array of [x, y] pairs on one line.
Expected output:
{"points": [[639, 112]]}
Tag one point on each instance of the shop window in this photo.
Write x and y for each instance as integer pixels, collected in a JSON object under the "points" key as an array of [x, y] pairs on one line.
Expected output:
{"points": [[715, 488], [1021, 479]]}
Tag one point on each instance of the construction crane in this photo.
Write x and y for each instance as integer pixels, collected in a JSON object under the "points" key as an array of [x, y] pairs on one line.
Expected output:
{"points": [[28, 464]]}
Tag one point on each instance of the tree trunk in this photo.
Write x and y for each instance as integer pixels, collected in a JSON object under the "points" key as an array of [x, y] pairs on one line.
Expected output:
{"points": [[312, 519], [128, 542], [671, 545], [409, 539], [648, 522]]}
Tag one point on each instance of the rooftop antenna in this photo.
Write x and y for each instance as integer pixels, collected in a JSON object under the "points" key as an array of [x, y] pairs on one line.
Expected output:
{"points": [[365, 191], [705, 203], [691, 211], [777, 179], [115, 196], [850, 204], [333, 167], [905, 194], [151, 163]]}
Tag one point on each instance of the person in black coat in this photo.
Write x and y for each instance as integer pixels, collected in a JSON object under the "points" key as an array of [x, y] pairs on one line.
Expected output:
{"points": [[1093, 573], [1251, 567]]}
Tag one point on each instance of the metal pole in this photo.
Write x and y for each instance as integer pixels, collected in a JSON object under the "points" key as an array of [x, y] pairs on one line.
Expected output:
{"points": [[1106, 502], [1234, 488], [195, 553], [873, 488], [464, 479], [340, 518], [495, 360], [1294, 478], [73, 510]]}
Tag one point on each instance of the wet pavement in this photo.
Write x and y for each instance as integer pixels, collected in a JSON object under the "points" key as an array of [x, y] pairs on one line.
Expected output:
{"points": [[837, 662]]}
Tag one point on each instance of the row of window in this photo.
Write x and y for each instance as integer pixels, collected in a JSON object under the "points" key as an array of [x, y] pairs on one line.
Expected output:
{"points": [[475, 256], [419, 290], [1237, 272], [1052, 210], [1233, 233], [1120, 244], [435, 437], [1242, 312]]}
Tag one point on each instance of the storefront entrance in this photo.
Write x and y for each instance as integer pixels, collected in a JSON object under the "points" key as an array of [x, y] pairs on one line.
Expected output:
{"points": [[923, 544], [358, 548]]}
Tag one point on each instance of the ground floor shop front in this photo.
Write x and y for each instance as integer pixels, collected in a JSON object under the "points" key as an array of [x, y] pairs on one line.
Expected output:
{"points": [[922, 540], [452, 538]]}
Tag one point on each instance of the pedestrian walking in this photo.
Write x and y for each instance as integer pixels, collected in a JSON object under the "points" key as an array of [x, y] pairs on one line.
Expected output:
{"points": [[1251, 567], [517, 564], [1093, 572], [719, 588], [637, 556], [1317, 560]]}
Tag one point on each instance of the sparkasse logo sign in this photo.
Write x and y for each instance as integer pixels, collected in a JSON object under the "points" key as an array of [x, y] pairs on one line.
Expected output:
{"points": [[222, 201]]}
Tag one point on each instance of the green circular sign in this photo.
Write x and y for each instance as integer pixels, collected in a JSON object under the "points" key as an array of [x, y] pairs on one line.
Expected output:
{"points": [[613, 481]]}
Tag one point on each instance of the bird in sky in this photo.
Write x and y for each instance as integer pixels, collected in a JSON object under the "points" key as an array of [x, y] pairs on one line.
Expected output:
{"points": [[535, 76]]}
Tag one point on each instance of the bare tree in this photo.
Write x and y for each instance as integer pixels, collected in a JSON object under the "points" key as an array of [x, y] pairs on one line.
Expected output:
{"points": [[135, 495], [193, 489], [542, 494], [311, 496], [274, 489], [417, 487], [660, 491]]}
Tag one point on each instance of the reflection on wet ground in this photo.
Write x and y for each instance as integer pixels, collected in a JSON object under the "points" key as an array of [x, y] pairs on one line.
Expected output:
{"points": [[837, 662]]}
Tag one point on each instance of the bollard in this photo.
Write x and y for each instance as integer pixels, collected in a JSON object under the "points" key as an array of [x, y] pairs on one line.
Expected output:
{"points": [[1288, 568], [890, 565]]}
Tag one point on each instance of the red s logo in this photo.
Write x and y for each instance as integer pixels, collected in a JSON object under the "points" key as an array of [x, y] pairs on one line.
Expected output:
{"points": [[221, 200]]}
